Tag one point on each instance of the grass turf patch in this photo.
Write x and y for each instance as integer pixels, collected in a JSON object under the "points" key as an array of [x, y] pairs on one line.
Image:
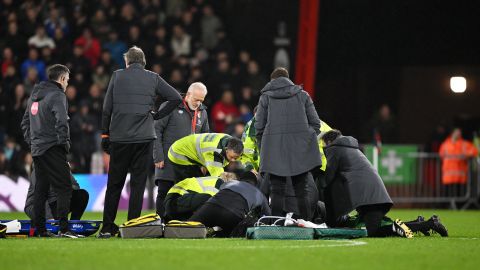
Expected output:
{"points": [[460, 251]]}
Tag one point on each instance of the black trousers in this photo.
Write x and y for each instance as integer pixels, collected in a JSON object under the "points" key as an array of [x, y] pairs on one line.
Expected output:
{"points": [[212, 215], [372, 215], [163, 187], [125, 157], [277, 194], [52, 168], [78, 204], [182, 207]]}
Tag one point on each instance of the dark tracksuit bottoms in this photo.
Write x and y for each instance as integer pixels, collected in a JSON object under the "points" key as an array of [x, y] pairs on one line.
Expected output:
{"points": [[277, 194], [373, 214], [78, 204], [51, 168], [124, 157]]}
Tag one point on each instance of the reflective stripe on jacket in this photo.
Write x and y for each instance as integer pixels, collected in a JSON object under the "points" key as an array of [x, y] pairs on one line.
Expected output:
{"points": [[455, 157], [203, 185], [201, 149], [250, 157]]}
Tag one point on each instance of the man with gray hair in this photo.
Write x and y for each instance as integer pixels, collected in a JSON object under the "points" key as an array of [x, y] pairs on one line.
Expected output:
{"points": [[189, 117], [128, 132]]}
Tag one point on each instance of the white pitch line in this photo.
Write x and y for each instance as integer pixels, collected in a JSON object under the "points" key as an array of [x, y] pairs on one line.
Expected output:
{"points": [[319, 244]]}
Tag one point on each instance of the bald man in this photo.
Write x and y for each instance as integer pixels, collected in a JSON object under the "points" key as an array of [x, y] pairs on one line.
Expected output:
{"points": [[190, 117]]}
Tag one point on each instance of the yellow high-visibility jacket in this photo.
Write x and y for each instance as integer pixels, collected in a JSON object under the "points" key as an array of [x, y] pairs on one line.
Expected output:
{"points": [[250, 158], [206, 149], [201, 185], [324, 127]]}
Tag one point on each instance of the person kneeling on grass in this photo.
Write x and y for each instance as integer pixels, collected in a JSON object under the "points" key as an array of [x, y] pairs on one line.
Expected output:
{"points": [[78, 202], [352, 183], [232, 204], [186, 196]]}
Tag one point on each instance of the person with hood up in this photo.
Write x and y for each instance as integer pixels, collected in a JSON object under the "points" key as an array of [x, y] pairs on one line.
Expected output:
{"points": [[287, 126], [352, 183]]}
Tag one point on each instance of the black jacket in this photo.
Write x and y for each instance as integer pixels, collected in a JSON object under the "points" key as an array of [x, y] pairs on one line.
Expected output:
{"points": [[129, 100], [287, 125], [252, 195], [176, 125], [45, 122], [351, 181]]}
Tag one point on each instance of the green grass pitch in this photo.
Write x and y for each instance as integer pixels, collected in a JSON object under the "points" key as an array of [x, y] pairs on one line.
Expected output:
{"points": [[459, 251]]}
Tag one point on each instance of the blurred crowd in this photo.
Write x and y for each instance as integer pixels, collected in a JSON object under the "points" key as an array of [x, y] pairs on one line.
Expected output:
{"points": [[184, 41]]}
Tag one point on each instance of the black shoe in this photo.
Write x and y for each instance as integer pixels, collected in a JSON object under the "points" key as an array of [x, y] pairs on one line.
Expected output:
{"points": [[401, 229], [104, 235], [115, 230], [70, 234], [437, 226], [46, 234], [425, 231]]}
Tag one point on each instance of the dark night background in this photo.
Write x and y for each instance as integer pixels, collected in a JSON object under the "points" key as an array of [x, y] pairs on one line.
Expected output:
{"points": [[400, 53]]}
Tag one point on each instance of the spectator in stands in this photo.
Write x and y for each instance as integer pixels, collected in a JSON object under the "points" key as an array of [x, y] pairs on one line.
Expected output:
{"points": [[9, 81], [7, 60], [247, 97], [71, 94], [63, 49], [100, 77], [95, 100], [221, 79], [47, 56], [31, 79], [177, 81], [101, 25], [180, 44], [245, 113], [90, 45], [135, 38], [55, 21], [3, 163], [107, 61], [455, 153], [210, 23], [160, 36], [40, 39], [78, 22], [382, 126], [127, 18], [78, 63], [224, 112], [16, 109], [15, 40], [116, 48], [242, 66], [35, 62], [83, 127], [223, 44], [191, 27], [160, 56], [254, 78], [30, 22]]}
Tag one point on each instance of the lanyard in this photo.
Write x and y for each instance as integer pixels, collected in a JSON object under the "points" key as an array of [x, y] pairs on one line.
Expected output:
{"points": [[194, 118]]}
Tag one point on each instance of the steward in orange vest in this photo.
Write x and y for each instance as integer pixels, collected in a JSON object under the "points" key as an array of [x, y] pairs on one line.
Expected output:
{"points": [[455, 152]]}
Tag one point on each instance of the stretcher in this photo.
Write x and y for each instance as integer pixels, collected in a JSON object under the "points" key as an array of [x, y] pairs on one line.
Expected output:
{"points": [[82, 227]]}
